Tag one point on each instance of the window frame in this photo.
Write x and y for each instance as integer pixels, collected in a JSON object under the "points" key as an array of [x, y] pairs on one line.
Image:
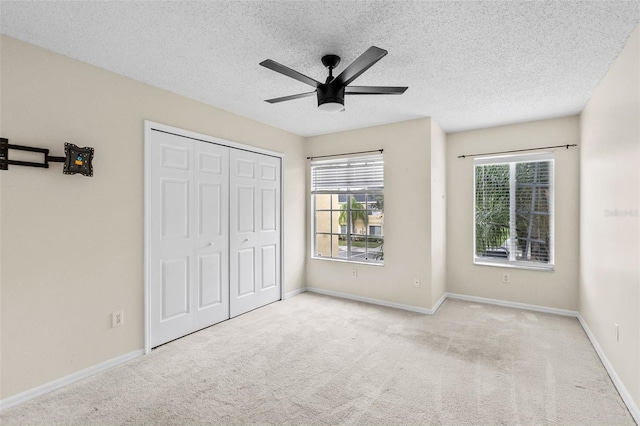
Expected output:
{"points": [[377, 227], [513, 160], [346, 192]]}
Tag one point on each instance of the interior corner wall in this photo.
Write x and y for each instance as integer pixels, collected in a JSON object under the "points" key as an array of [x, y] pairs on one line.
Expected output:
{"points": [[556, 289], [610, 218], [72, 246], [438, 213], [407, 216]]}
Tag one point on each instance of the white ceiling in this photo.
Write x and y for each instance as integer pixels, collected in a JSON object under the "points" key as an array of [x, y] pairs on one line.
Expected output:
{"points": [[468, 64]]}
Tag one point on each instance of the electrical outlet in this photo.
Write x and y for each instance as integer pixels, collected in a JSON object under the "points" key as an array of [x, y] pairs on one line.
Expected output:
{"points": [[416, 282], [506, 278], [354, 273], [117, 319], [617, 332]]}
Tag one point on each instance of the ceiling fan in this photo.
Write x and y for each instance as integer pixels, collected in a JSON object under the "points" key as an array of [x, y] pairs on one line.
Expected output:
{"points": [[331, 92]]}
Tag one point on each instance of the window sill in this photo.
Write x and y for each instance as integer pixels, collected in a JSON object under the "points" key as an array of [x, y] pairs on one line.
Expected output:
{"points": [[515, 265], [333, 259]]}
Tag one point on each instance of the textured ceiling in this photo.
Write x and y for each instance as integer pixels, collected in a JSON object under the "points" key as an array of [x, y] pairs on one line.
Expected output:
{"points": [[467, 64]]}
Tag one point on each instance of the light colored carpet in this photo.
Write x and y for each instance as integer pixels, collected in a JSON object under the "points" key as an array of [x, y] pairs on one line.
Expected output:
{"points": [[318, 360]]}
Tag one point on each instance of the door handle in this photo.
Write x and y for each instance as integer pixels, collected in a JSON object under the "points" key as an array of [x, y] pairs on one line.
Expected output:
{"points": [[246, 240]]}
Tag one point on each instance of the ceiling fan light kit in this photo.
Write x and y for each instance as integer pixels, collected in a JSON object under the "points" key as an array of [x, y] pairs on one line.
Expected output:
{"points": [[331, 93], [331, 107]]}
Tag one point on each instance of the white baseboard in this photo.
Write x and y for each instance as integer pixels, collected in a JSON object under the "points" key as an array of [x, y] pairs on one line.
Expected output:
{"points": [[67, 380], [622, 390], [371, 300], [295, 292], [517, 305], [438, 304]]}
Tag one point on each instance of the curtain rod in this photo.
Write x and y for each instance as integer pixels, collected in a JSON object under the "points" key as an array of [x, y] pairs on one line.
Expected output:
{"points": [[346, 153], [518, 150]]}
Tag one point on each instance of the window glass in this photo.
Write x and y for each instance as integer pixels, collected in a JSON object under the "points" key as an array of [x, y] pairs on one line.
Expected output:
{"points": [[323, 222], [514, 211], [375, 230]]}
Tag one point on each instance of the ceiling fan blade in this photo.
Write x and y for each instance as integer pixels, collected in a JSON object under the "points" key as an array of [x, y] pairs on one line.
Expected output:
{"points": [[360, 65], [374, 90], [290, 97], [273, 65]]}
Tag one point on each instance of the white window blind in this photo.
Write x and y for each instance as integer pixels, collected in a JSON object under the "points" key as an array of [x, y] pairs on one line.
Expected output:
{"points": [[514, 210], [356, 174]]}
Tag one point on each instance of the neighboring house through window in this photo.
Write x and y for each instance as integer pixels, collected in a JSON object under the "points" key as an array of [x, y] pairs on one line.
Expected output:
{"points": [[514, 210], [348, 208]]}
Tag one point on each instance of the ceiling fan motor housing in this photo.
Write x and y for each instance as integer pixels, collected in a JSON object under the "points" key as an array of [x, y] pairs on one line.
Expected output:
{"points": [[328, 93]]}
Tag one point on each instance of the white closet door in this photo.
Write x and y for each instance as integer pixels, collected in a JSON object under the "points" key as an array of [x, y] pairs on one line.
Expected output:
{"points": [[188, 239], [254, 230], [211, 234]]}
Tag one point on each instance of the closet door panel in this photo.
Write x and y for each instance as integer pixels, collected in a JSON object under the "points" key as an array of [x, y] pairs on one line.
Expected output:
{"points": [[188, 254], [269, 258], [211, 282], [255, 230], [171, 230], [269, 229], [175, 288], [211, 243], [246, 267]]}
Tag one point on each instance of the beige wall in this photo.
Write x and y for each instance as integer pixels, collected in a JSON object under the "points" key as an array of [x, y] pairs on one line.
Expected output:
{"points": [[407, 215], [72, 246], [438, 212], [557, 289], [610, 222]]}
